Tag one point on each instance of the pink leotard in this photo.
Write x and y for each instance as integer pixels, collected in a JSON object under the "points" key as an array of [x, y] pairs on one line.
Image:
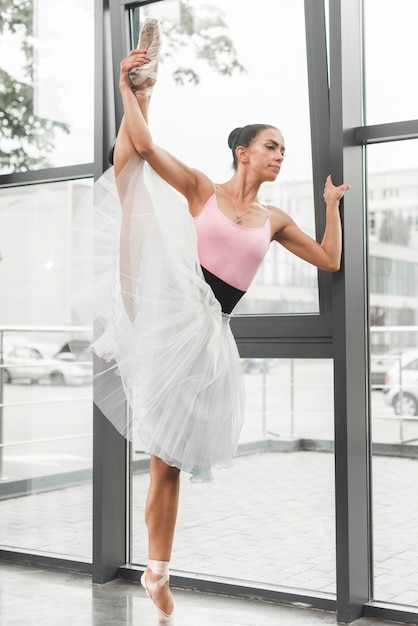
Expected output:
{"points": [[231, 252]]}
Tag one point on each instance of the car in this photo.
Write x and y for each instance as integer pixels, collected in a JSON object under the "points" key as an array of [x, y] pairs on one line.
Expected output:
{"points": [[401, 384], [380, 364], [34, 363], [257, 365]]}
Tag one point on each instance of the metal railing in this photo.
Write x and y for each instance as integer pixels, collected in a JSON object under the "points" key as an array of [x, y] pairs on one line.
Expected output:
{"points": [[30, 337], [396, 390], [22, 335]]}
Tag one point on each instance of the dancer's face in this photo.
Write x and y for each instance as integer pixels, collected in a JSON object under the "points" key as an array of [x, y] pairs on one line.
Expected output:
{"points": [[265, 153]]}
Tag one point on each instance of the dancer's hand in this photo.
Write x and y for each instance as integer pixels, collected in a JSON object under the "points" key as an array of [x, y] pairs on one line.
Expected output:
{"points": [[136, 58], [332, 193]]}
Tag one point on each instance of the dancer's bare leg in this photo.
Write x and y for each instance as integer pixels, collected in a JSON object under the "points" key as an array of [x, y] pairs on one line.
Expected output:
{"points": [[160, 516], [123, 148], [143, 101]]}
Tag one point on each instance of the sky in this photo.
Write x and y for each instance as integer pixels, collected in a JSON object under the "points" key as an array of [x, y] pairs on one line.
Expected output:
{"points": [[64, 60], [271, 45], [194, 122], [272, 91]]}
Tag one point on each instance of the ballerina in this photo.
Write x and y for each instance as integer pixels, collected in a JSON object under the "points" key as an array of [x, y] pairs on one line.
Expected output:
{"points": [[184, 262]]}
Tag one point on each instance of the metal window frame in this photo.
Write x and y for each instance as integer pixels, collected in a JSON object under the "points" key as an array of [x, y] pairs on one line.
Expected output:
{"points": [[350, 311], [340, 331], [349, 137], [276, 336], [299, 335]]}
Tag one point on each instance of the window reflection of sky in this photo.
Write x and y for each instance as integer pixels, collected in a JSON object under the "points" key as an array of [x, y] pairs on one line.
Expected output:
{"points": [[63, 48], [273, 90], [391, 50]]}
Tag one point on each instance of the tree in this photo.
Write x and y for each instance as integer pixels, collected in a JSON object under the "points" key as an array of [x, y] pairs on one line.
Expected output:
{"points": [[202, 34], [27, 138]]}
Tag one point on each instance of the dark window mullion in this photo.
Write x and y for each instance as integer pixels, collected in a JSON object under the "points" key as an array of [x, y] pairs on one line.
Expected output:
{"points": [[393, 131], [50, 175]]}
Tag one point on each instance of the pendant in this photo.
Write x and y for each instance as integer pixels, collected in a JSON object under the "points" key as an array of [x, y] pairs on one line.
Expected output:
{"points": [[239, 221]]}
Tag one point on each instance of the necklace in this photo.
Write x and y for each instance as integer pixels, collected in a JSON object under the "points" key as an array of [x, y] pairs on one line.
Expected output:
{"points": [[240, 216]]}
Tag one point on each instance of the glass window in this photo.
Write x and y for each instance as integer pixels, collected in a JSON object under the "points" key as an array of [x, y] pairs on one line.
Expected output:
{"points": [[36, 241], [393, 279], [45, 443], [390, 47], [269, 518], [252, 88], [47, 82], [45, 376]]}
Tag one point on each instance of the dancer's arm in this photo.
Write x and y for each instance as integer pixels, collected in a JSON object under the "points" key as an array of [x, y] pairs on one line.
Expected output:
{"points": [[325, 255], [134, 136]]}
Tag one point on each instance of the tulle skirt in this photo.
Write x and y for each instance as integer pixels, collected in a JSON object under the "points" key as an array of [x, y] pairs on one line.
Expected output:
{"points": [[169, 365]]}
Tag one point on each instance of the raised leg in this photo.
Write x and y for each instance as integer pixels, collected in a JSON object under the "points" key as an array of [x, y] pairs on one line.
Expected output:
{"points": [[142, 81]]}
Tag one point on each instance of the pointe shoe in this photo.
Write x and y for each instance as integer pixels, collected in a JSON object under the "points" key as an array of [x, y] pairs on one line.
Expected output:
{"points": [[144, 78], [161, 568]]}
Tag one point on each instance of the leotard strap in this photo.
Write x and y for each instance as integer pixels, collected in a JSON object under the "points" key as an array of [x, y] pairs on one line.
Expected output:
{"points": [[231, 252]]}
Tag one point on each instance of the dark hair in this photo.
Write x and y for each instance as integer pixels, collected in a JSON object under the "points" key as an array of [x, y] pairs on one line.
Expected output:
{"points": [[243, 136]]}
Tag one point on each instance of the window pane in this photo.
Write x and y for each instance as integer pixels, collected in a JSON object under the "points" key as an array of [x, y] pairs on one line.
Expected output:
{"points": [[393, 279], [35, 247], [391, 47], [47, 81], [220, 97], [46, 443], [45, 376], [269, 518]]}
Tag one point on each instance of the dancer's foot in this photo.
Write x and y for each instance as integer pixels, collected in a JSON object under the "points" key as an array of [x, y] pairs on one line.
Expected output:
{"points": [[144, 78], [155, 582]]}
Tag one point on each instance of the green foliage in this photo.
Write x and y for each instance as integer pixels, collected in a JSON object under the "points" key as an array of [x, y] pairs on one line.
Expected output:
{"points": [[205, 38], [26, 138], [16, 14]]}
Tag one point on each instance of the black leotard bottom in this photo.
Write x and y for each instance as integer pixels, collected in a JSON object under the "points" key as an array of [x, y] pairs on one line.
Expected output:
{"points": [[227, 295]]}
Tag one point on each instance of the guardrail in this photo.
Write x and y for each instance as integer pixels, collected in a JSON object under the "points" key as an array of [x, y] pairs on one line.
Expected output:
{"points": [[397, 389], [19, 336], [63, 334]]}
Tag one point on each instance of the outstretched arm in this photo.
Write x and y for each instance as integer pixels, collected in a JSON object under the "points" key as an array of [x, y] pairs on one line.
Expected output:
{"points": [[327, 254], [135, 136]]}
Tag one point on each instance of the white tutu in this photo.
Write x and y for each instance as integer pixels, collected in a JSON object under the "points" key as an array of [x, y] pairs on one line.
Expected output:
{"points": [[164, 344]]}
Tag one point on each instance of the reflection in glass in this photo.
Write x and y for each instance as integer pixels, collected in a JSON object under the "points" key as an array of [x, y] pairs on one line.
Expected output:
{"points": [[45, 442], [45, 378], [391, 46], [214, 83], [35, 251], [47, 85], [393, 251], [269, 518], [393, 279]]}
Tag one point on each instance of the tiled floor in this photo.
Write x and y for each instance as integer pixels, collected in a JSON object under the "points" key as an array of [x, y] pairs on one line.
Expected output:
{"points": [[34, 597], [269, 519]]}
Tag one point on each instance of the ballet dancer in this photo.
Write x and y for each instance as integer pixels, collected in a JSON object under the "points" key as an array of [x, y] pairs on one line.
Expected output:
{"points": [[188, 251]]}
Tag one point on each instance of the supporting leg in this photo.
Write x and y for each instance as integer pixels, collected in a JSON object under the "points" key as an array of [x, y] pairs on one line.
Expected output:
{"points": [[160, 516]]}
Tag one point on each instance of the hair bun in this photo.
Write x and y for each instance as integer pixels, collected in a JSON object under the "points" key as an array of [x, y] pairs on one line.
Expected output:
{"points": [[233, 137]]}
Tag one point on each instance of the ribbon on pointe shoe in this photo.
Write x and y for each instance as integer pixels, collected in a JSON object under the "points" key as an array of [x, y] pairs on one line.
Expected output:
{"points": [[143, 78], [161, 569]]}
